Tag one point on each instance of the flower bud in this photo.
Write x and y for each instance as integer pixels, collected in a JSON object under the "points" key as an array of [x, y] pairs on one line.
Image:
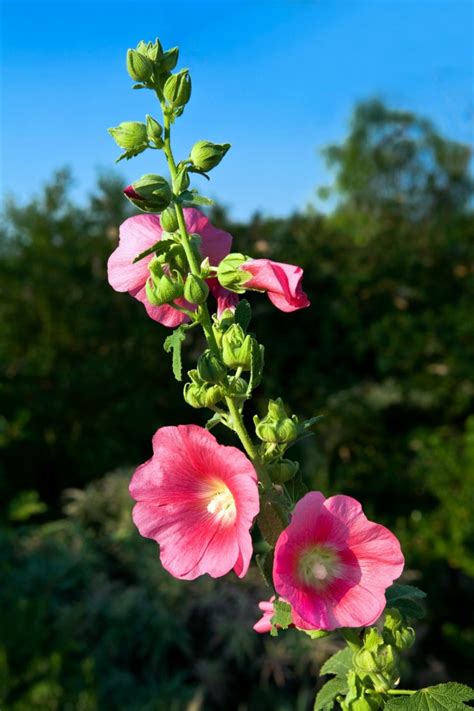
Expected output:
{"points": [[138, 66], [236, 348], [196, 290], [211, 395], [169, 289], [181, 182], [229, 274], [396, 631], [150, 291], [151, 193], [238, 389], [211, 368], [276, 426], [282, 471], [130, 135], [154, 50], [176, 258], [191, 394], [168, 219], [177, 88], [206, 155], [154, 131], [169, 60]]}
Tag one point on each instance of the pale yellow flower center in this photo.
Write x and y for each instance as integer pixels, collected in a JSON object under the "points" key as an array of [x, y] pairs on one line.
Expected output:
{"points": [[318, 565], [222, 504]]}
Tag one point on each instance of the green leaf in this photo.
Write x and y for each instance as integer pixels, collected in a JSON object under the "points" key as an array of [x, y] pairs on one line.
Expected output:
{"points": [[131, 153], [256, 365], [296, 488], [25, 505], [339, 664], [243, 314], [160, 247], [326, 696], [174, 343], [281, 617], [443, 697], [405, 598], [314, 634]]}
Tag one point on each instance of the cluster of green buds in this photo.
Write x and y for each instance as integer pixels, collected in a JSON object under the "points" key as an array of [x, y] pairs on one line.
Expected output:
{"points": [[161, 287]]}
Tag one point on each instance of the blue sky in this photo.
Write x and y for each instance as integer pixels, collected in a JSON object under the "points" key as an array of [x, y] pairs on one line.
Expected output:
{"points": [[276, 78]]}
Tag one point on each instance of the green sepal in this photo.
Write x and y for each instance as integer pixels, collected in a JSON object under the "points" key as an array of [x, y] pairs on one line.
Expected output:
{"points": [[257, 360], [130, 154], [243, 314], [314, 634], [281, 617], [160, 247], [442, 697], [174, 343], [192, 197], [216, 419], [406, 599], [326, 696]]}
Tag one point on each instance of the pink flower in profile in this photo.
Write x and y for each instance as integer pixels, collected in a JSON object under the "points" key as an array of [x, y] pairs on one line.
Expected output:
{"points": [[282, 282], [333, 565], [264, 625], [197, 499], [141, 232]]}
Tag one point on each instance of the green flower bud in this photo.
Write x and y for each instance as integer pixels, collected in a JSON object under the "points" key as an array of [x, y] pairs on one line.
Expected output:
{"points": [[155, 268], [181, 182], [236, 348], [130, 135], [191, 395], [169, 60], [150, 290], [151, 193], [396, 632], [169, 289], [211, 395], [168, 219], [138, 66], [206, 155], [205, 268], [211, 368], [154, 50], [154, 131], [238, 388], [282, 471], [176, 258], [230, 275], [196, 290], [276, 426], [177, 88]]}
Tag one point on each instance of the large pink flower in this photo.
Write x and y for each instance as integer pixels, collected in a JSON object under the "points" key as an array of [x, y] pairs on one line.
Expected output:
{"points": [[140, 233], [282, 282], [197, 499], [333, 565]]}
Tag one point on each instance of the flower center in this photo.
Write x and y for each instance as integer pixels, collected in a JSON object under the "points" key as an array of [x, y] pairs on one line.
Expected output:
{"points": [[222, 504], [318, 566]]}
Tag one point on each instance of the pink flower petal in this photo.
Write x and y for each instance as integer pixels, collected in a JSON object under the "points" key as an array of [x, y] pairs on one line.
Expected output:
{"points": [[282, 282], [136, 235]]}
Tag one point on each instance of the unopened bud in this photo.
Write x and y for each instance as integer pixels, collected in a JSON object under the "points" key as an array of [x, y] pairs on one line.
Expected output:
{"points": [[236, 348], [282, 471], [138, 66], [130, 135], [168, 219], [206, 155], [154, 131], [151, 193], [181, 182], [211, 368], [177, 88], [196, 290], [169, 60], [276, 426], [191, 395], [169, 289]]}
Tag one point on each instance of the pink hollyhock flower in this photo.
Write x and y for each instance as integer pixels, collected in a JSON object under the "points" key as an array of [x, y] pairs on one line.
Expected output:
{"points": [[282, 282], [264, 625], [143, 231], [225, 299], [197, 499], [333, 565]]}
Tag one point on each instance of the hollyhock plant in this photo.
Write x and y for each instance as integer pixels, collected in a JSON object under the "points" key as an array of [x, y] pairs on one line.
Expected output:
{"points": [[139, 233], [332, 568], [198, 500], [333, 565], [281, 282]]}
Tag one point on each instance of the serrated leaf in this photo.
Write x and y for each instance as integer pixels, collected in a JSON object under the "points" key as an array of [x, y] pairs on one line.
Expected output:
{"points": [[312, 421], [174, 343], [326, 696], [442, 697], [243, 314], [281, 616], [131, 154], [405, 598], [201, 200], [339, 664], [256, 365], [158, 248]]}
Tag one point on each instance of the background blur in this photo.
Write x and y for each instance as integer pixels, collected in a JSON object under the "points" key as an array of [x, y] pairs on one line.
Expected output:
{"points": [[350, 124]]}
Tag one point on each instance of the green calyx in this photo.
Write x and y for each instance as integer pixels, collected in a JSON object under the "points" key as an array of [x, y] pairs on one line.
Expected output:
{"points": [[276, 427], [130, 135], [151, 193], [168, 219], [237, 348], [165, 289], [206, 155], [139, 66], [230, 275], [199, 393], [196, 290], [154, 131], [282, 471], [210, 368], [177, 89]]}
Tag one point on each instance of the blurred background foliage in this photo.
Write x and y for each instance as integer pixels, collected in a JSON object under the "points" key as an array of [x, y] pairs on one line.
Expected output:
{"points": [[385, 353]]}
